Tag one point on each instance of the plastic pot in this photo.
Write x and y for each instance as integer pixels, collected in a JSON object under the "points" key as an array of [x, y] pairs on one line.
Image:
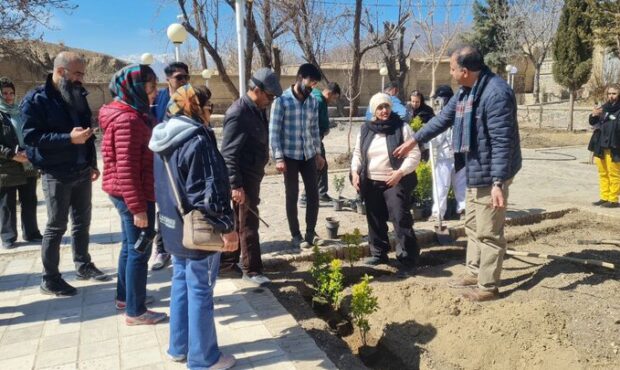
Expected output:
{"points": [[332, 225]]}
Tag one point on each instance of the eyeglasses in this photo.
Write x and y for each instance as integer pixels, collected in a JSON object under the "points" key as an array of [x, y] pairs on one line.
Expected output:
{"points": [[181, 77], [384, 106]]}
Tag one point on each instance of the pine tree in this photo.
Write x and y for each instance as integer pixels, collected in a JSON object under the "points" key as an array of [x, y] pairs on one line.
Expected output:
{"points": [[488, 33], [606, 23], [573, 47]]}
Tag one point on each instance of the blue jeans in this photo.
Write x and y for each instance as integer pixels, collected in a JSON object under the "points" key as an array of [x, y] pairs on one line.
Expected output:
{"points": [[132, 265], [192, 327]]}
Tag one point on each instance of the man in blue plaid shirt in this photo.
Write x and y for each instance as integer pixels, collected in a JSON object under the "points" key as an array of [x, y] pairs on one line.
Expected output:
{"points": [[296, 148]]}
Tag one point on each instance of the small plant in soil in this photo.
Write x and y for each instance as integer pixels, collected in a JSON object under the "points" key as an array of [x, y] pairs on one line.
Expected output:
{"points": [[352, 242], [320, 274], [363, 303], [338, 184], [424, 189], [328, 279]]}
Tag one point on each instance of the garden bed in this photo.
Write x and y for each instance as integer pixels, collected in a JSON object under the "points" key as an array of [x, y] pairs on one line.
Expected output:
{"points": [[553, 314]]}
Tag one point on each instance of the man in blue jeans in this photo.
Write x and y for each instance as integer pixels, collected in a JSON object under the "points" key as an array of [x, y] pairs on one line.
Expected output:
{"points": [[59, 141]]}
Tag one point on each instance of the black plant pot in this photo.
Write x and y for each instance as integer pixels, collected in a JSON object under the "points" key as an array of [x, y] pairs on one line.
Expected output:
{"points": [[332, 226]]}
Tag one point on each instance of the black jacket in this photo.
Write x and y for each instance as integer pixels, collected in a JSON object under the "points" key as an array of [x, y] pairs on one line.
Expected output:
{"points": [[11, 172], [606, 134], [245, 142], [47, 127]]}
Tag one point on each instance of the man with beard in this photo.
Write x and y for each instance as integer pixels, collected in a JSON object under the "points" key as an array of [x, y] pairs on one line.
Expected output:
{"points": [[60, 142], [296, 149], [245, 148]]}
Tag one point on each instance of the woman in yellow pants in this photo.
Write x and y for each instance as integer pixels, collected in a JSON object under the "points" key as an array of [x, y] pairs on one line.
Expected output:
{"points": [[605, 144]]}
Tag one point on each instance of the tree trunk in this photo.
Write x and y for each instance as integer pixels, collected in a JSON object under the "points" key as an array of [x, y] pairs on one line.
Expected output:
{"points": [[571, 103], [357, 60], [199, 26], [537, 68], [433, 78]]}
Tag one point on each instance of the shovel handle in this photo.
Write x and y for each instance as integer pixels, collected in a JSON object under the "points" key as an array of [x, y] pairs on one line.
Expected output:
{"points": [[564, 258]]}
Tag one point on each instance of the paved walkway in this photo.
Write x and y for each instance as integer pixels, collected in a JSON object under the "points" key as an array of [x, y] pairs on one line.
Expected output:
{"points": [[87, 332]]}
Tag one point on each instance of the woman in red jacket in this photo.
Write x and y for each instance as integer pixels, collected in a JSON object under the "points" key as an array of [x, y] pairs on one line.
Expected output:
{"points": [[128, 179]]}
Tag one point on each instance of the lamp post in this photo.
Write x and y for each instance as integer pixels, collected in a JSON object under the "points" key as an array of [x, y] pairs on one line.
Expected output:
{"points": [[383, 71], [177, 34], [240, 16], [206, 74], [146, 58], [511, 71]]}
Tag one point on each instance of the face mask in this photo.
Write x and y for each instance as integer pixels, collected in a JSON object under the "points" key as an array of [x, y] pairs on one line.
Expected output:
{"points": [[303, 89]]}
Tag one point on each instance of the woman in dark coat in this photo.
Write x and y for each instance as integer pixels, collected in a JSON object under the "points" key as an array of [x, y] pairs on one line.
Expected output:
{"points": [[605, 144], [385, 182], [17, 175]]}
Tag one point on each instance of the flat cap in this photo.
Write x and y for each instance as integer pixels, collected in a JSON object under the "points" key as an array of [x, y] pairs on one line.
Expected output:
{"points": [[266, 80]]}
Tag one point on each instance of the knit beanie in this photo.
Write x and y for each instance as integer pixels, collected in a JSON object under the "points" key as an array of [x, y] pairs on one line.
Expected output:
{"points": [[377, 100]]}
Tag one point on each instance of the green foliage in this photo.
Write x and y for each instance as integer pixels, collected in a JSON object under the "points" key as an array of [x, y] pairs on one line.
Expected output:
{"points": [[338, 184], [416, 123], [335, 284], [573, 46], [352, 242], [424, 190], [363, 303], [488, 32], [328, 278], [605, 19]]}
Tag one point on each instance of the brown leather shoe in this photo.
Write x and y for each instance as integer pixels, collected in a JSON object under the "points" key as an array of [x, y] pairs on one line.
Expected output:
{"points": [[479, 295], [463, 281]]}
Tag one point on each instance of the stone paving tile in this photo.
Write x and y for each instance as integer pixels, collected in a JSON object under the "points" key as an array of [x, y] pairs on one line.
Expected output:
{"points": [[140, 357], [57, 357], [11, 350], [18, 363], [102, 363], [89, 351]]}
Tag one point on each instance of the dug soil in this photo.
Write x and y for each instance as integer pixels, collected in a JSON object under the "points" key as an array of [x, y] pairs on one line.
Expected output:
{"points": [[553, 314]]}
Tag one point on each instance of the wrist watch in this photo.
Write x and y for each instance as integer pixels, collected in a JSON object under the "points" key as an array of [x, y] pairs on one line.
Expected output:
{"points": [[498, 184]]}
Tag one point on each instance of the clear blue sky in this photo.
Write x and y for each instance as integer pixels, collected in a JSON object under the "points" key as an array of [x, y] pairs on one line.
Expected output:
{"points": [[131, 27]]}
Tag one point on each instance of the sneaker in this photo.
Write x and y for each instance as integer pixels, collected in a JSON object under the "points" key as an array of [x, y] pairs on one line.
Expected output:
{"points": [[610, 205], [257, 279], [463, 281], [325, 198], [36, 238], [58, 287], [177, 358], [161, 260], [233, 272], [147, 318], [9, 245], [599, 202], [479, 295], [225, 362], [313, 238], [374, 261], [296, 242], [90, 271], [121, 305]]}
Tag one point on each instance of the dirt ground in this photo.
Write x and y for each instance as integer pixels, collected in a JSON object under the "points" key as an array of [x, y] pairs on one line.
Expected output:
{"points": [[553, 314]]}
